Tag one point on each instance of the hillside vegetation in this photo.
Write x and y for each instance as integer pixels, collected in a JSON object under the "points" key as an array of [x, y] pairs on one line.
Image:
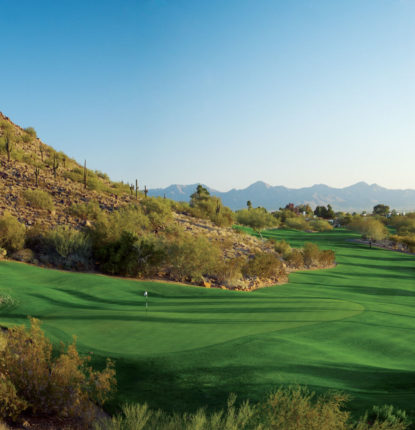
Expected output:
{"points": [[57, 213]]}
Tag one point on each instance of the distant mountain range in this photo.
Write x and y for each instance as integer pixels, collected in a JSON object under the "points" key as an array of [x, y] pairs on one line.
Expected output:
{"points": [[357, 197]]}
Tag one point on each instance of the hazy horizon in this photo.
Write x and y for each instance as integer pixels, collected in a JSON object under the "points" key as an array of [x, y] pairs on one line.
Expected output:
{"points": [[221, 93], [277, 185]]}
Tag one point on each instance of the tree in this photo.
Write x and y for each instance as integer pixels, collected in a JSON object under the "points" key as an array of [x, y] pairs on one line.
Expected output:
{"points": [[257, 218], [249, 204], [370, 229], [200, 194], [381, 210], [323, 212]]}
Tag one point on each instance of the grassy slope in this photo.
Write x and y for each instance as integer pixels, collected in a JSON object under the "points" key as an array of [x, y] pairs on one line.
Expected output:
{"points": [[348, 328]]}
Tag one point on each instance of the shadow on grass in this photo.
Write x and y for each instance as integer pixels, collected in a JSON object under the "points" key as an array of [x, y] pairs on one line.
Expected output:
{"points": [[177, 389]]}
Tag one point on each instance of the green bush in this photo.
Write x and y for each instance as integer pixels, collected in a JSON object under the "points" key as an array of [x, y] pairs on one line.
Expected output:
{"points": [[31, 132], [296, 408], [292, 408], [257, 219], [283, 248], [297, 223], [320, 225], [63, 247], [203, 205], [228, 272], [85, 211], [263, 265], [191, 257], [295, 259], [109, 227], [131, 255], [388, 414], [369, 228], [311, 254], [158, 211], [141, 417], [39, 199], [12, 233]]}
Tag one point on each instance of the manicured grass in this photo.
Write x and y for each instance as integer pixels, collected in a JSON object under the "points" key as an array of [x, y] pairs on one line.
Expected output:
{"points": [[350, 328]]}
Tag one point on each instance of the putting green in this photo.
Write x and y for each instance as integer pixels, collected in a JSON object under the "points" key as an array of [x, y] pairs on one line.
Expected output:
{"points": [[349, 328]]}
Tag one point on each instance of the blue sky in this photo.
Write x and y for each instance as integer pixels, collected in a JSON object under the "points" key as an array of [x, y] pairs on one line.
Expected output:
{"points": [[223, 92]]}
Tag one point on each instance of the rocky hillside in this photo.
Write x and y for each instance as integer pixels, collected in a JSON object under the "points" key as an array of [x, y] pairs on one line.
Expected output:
{"points": [[30, 164]]}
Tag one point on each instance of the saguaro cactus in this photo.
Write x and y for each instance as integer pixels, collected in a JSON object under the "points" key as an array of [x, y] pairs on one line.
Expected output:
{"points": [[85, 174], [145, 191], [136, 189], [55, 165], [9, 146], [37, 172]]}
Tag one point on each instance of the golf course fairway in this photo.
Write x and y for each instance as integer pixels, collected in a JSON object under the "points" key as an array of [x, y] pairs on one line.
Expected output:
{"points": [[350, 328]]}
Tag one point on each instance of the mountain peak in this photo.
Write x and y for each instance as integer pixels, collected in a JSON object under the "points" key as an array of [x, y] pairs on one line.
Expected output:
{"points": [[357, 197]]}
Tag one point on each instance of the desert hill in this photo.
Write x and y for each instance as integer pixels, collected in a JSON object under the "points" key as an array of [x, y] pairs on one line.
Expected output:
{"points": [[33, 165]]}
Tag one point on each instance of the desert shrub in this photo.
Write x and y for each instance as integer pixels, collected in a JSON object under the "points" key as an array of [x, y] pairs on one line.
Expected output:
{"points": [[407, 241], [151, 255], [404, 224], [326, 258], [141, 417], [203, 205], [228, 272], [283, 248], [295, 259], [63, 247], [11, 405], [76, 174], [39, 199], [263, 265], [369, 228], [388, 414], [296, 408], [320, 225], [297, 223], [31, 132], [102, 175], [131, 255], [121, 256], [45, 383], [69, 243], [85, 211], [224, 217], [12, 233], [292, 408], [109, 227], [180, 207], [311, 254], [158, 211], [257, 218], [25, 255], [191, 257]]}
